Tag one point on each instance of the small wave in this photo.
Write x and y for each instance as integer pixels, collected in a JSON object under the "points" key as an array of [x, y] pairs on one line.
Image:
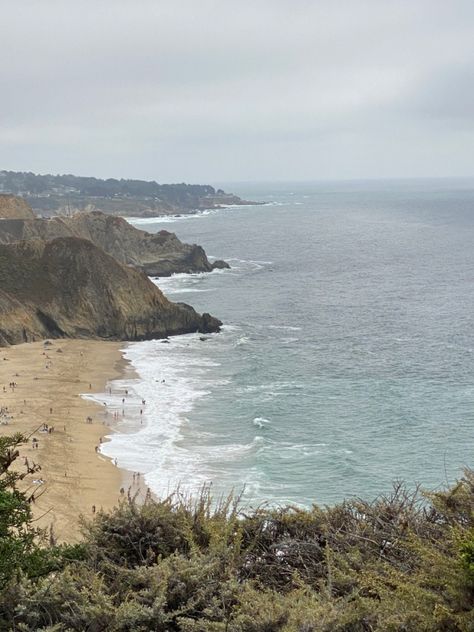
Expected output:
{"points": [[288, 341], [243, 340], [185, 290], [169, 219], [245, 263], [272, 386], [261, 422]]}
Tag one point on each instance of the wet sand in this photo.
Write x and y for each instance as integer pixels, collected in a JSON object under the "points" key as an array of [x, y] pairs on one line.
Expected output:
{"points": [[50, 380]]}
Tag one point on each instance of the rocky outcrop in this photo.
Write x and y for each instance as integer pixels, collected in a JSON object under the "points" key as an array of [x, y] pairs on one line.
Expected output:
{"points": [[12, 207], [160, 254], [68, 287]]}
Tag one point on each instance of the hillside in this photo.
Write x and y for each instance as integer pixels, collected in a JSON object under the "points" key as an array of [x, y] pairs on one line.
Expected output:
{"points": [[62, 194], [12, 207], [68, 287], [160, 254]]}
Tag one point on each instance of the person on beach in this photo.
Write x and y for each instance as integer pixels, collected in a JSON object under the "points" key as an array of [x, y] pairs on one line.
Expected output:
{"points": [[93, 509]]}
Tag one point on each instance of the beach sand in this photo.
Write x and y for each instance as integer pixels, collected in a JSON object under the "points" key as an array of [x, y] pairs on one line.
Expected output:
{"points": [[54, 376]]}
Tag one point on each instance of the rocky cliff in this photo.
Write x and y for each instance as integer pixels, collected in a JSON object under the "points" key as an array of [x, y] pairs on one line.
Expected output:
{"points": [[68, 287], [158, 254], [12, 207]]}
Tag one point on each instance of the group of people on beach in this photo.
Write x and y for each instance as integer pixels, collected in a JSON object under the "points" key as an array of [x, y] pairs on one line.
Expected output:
{"points": [[46, 428]]}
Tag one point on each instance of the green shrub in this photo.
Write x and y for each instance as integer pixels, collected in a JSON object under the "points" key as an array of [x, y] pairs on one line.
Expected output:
{"points": [[403, 563]]}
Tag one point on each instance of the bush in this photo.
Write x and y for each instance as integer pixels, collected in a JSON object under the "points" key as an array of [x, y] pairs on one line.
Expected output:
{"points": [[404, 562]]}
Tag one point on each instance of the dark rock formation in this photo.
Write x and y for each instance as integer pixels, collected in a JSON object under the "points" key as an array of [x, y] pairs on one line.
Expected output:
{"points": [[160, 254], [68, 287]]}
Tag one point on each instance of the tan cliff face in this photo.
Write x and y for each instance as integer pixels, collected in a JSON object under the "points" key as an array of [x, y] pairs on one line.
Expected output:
{"points": [[13, 207], [67, 287], [158, 254]]}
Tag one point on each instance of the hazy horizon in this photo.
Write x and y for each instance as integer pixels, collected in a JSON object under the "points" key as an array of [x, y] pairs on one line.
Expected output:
{"points": [[238, 92]]}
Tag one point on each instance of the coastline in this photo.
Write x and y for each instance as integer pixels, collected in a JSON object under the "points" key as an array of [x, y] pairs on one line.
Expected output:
{"points": [[51, 380]]}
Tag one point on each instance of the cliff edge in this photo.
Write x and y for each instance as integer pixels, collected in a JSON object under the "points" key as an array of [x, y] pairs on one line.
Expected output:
{"points": [[68, 287], [160, 254]]}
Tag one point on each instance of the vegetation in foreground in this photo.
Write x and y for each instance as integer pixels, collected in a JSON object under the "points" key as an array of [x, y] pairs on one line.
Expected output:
{"points": [[404, 562]]}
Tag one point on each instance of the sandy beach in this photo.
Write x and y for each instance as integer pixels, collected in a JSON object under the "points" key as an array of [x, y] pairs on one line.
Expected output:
{"points": [[50, 379]]}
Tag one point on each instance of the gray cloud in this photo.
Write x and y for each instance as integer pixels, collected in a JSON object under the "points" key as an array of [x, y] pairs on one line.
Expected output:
{"points": [[225, 90]]}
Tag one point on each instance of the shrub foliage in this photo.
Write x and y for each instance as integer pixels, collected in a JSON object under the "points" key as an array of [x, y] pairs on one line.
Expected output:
{"points": [[404, 562]]}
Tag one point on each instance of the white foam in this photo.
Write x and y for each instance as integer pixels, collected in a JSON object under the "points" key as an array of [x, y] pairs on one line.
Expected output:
{"points": [[160, 442], [261, 422], [183, 282], [169, 219]]}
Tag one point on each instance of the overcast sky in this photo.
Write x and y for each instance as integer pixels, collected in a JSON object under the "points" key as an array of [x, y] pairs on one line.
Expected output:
{"points": [[233, 90]]}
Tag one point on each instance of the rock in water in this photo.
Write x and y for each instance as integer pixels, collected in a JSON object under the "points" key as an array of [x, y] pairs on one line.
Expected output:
{"points": [[68, 287]]}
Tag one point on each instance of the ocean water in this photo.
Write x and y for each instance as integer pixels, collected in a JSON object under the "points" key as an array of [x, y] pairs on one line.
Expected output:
{"points": [[347, 356]]}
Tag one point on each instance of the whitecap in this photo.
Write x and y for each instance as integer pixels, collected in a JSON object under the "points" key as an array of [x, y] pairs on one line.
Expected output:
{"points": [[261, 422]]}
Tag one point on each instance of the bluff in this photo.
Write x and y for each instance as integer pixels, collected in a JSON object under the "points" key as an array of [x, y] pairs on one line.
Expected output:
{"points": [[58, 194], [12, 207], [68, 287], [159, 254]]}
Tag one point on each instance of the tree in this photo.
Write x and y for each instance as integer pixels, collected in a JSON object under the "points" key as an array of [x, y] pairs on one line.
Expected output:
{"points": [[18, 536]]}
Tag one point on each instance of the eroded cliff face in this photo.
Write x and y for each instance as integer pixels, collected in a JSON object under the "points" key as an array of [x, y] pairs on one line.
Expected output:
{"points": [[160, 254], [13, 207], [68, 287]]}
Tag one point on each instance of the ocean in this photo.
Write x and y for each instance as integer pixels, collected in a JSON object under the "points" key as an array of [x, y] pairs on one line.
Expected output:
{"points": [[346, 360]]}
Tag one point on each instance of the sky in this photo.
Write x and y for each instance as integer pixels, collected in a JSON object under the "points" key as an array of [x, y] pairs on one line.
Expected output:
{"points": [[208, 91]]}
